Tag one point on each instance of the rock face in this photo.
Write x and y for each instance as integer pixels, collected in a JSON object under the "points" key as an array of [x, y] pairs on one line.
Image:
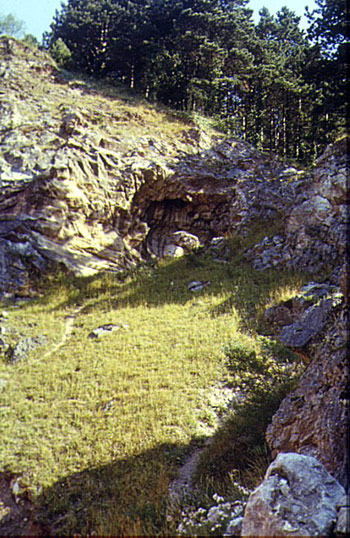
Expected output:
{"points": [[313, 418], [314, 230], [82, 185], [298, 497]]}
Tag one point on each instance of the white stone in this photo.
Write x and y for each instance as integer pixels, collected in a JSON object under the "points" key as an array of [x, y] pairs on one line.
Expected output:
{"points": [[309, 509]]}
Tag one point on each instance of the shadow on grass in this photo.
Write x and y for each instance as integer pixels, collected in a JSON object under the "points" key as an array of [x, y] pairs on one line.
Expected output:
{"points": [[167, 283], [239, 447], [127, 497]]}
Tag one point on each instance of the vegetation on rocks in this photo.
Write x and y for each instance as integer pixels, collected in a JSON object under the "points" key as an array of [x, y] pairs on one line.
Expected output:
{"points": [[142, 293], [273, 84]]}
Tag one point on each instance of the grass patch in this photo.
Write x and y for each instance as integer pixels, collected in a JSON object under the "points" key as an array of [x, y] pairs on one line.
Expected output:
{"points": [[98, 428]]}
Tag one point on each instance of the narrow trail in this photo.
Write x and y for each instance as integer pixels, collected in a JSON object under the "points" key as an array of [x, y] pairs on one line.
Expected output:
{"points": [[17, 515], [182, 484], [67, 332]]}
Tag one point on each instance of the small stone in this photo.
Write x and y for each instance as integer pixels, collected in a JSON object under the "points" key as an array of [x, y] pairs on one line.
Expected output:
{"points": [[198, 285], [234, 528], [107, 328], [23, 348]]}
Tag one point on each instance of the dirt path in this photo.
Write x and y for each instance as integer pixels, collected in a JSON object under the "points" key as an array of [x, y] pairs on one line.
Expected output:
{"points": [[183, 483], [68, 329]]}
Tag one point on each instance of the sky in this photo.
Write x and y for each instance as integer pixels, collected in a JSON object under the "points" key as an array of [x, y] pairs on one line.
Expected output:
{"points": [[38, 14]]}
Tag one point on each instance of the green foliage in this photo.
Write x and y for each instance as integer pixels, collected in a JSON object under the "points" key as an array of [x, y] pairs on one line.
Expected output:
{"points": [[61, 53], [241, 359], [97, 428], [31, 40], [269, 84], [11, 26], [238, 448]]}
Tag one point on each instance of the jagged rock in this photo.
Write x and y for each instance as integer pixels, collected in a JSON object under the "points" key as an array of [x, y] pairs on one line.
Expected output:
{"points": [[76, 192], [298, 334], [315, 228], [107, 328], [313, 418], [298, 497]]}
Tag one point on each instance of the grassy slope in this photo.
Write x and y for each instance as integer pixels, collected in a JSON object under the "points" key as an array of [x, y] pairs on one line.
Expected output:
{"points": [[98, 429]]}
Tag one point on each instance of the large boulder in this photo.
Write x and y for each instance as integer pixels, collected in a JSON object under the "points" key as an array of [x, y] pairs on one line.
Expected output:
{"points": [[298, 497]]}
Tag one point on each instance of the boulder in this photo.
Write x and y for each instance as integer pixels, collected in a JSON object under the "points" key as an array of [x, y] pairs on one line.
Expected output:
{"points": [[298, 334], [298, 497]]}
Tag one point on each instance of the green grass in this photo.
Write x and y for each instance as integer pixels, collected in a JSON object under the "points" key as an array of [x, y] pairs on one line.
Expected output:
{"points": [[98, 429]]}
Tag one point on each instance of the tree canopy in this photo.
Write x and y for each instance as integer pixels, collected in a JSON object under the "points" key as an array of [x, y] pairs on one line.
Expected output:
{"points": [[11, 26], [271, 83]]}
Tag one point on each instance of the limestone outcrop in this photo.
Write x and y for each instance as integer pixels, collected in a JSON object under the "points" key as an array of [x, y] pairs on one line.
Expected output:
{"points": [[298, 497], [313, 418], [313, 234], [92, 182]]}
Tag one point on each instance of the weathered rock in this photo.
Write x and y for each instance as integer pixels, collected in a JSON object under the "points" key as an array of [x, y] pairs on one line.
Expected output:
{"points": [[298, 497], [25, 345], [314, 229], [74, 192], [106, 329], [311, 323], [313, 418], [343, 516], [234, 528]]}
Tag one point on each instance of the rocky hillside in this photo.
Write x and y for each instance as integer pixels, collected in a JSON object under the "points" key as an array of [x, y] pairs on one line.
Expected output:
{"points": [[96, 182], [92, 181]]}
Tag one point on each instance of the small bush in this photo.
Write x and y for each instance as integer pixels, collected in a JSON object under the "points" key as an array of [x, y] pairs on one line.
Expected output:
{"points": [[242, 359], [61, 53]]}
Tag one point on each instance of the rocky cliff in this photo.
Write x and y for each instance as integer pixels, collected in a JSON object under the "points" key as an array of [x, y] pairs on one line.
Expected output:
{"points": [[93, 181], [97, 182]]}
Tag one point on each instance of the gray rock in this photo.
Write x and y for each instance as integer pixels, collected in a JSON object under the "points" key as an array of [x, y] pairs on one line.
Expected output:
{"points": [[234, 528], [343, 516], [21, 350], [298, 497], [106, 329], [311, 323]]}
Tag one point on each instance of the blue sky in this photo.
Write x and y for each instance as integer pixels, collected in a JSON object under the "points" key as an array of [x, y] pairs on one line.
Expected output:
{"points": [[38, 14]]}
